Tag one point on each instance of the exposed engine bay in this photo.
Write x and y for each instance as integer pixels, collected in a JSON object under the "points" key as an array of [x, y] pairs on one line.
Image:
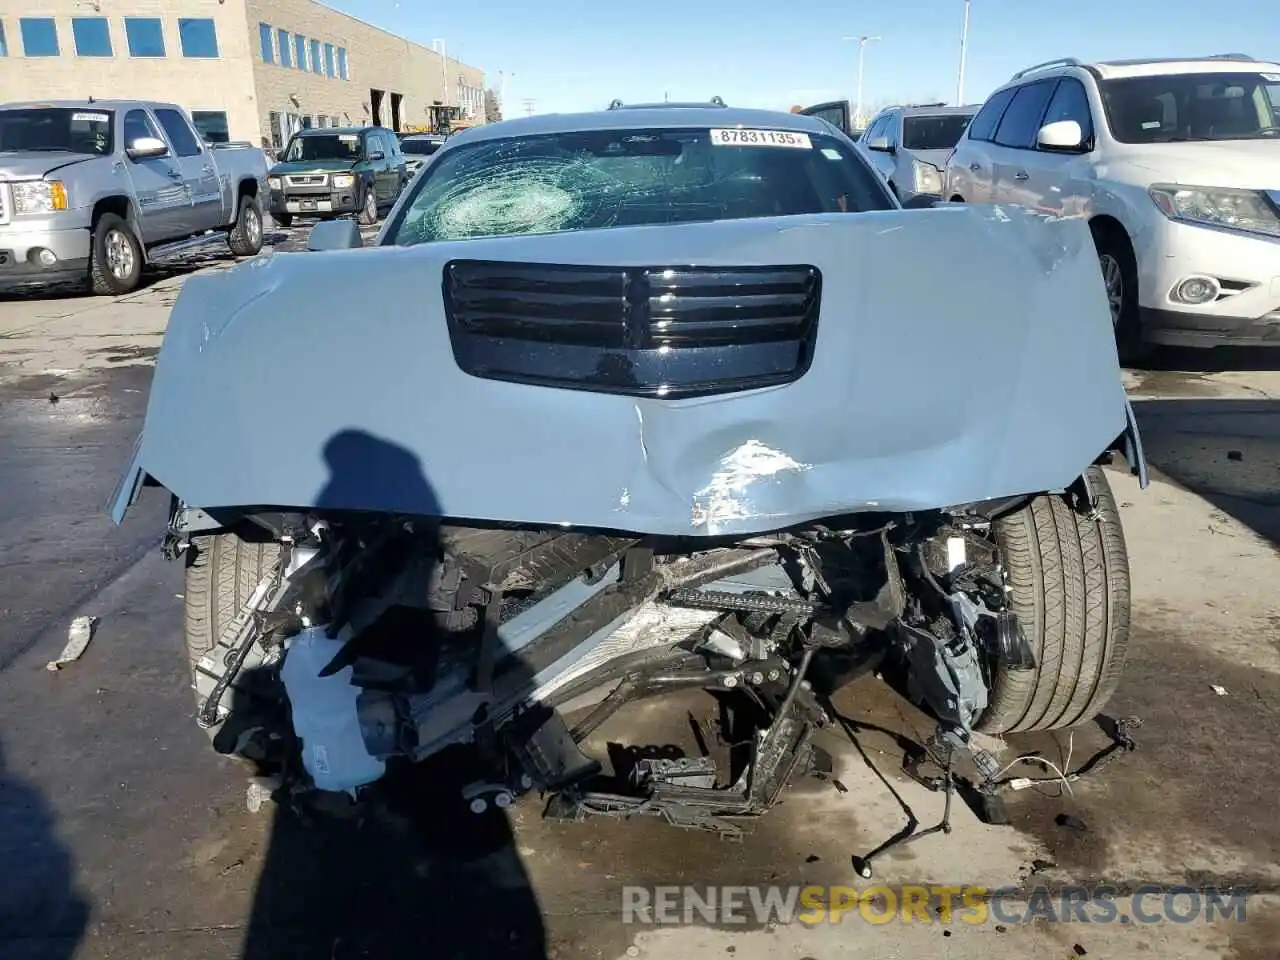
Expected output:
{"points": [[398, 637]]}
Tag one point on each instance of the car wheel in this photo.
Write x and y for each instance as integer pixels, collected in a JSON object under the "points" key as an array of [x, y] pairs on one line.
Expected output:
{"points": [[115, 257], [283, 220], [245, 238], [369, 209], [1120, 278], [1068, 580], [221, 573]]}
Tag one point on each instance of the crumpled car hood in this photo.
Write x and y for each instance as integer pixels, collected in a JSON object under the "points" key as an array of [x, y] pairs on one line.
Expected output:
{"points": [[962, 354]]}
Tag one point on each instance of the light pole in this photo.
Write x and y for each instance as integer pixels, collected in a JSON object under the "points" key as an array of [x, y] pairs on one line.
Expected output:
{"points": [[439, 47], [964, 50], [862, 46]]}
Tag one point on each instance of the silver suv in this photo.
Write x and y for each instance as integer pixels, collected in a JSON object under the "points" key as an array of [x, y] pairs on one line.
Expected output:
{"points": [[909, 145]]}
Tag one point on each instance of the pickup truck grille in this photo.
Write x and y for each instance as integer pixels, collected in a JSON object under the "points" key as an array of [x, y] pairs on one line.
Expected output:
{"points": [[307, 179], [674, 331]]}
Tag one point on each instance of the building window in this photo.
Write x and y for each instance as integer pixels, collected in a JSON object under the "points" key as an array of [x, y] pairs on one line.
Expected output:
{"points": [[328, 60], [39, 36], [145, 36], [317, 65], [286, 51], [322, 122], [335, 122], [306, 122], [212, 125], [92, 36], [300, 50], [264, 42], [4, 47], [342, 63], [277, 141], [198, 38]]}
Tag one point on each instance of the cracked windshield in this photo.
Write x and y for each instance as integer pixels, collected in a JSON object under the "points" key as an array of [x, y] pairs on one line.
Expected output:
{"points": [[580, 482]]}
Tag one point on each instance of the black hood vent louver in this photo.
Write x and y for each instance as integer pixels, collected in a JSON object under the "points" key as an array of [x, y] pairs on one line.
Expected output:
{"points": [[638, 331]]}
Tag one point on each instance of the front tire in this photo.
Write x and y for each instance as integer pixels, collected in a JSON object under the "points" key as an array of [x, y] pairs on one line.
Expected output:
{"points": [[222, 572], [1120, 277], [115, 257], [245, 238], [1069, 582]]}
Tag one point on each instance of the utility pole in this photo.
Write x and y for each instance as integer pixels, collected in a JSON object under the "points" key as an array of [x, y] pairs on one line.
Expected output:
{"points": [[528, 107], [964, 50], [439, 47], [862, 42]]}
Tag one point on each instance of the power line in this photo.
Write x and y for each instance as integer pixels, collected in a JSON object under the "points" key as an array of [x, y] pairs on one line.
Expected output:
{"points": [[529, 104]]}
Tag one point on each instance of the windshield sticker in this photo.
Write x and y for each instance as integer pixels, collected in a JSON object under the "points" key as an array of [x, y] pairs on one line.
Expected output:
{"points": [[760, 138], [1151, 125], [349, 137], [89, 117], [831, 154], [1271, 77]]}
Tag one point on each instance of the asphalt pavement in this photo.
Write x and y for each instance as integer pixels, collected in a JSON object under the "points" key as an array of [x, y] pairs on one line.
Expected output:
{"points": [[123, 836]]}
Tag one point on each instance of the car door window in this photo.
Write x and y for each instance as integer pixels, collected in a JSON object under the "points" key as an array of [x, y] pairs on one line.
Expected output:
{"points": [[1021, 122], [180, 135], [1070, 102], [988, 118], [877, 129], [891, 129], [138, 125]]}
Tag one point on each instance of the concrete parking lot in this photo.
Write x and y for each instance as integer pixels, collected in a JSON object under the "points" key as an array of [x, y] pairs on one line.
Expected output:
{"points": [[123, 836]]}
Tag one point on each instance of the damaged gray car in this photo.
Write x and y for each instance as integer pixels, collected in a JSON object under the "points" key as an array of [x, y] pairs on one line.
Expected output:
{"points": [[634, 402]]}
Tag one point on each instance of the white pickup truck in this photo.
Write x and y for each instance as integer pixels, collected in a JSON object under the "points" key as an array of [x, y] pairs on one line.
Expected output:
{"points": [[93, 190]]}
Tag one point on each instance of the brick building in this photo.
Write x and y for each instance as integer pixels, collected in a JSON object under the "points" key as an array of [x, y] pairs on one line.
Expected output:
{"points": [[246, 69]]}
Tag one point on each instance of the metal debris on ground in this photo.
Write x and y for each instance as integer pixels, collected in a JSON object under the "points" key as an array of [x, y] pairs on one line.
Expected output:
{"points": [[261, 790], [78, 637], [1220, 691]]}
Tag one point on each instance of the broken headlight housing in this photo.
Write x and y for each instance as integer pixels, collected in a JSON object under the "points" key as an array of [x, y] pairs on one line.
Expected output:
{"points": [[1225, 207]]}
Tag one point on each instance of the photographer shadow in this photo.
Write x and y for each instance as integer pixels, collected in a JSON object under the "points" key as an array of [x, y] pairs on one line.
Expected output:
{"points": [[42, 915], [409, 871]]}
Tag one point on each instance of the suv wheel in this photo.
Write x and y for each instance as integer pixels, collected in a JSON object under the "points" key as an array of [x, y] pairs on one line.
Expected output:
{"points": [[1120, 276]]}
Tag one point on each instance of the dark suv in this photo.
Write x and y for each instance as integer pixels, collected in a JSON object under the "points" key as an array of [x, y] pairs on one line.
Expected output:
{"points": [[330, 171]]}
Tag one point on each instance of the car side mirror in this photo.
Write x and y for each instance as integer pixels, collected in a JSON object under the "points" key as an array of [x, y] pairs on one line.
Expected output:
{"points": [[335, 235], [1060, 135], [376, 155], [146, 148], [880, 145]]}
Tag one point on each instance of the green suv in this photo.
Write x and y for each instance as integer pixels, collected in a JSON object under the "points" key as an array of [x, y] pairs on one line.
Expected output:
{"points": [[328, 171]]}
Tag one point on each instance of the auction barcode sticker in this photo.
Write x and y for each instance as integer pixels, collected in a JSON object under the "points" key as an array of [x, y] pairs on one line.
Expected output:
{"points": [[760, 138]]}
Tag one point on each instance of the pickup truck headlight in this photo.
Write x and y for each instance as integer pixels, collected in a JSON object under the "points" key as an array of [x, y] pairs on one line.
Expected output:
{"points": [[39, 196], [928, 178], [1225, 207], [273, 183], [343, 180]]}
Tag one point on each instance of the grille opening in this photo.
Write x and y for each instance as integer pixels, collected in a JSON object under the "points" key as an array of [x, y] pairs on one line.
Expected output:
{"points": [[665, 331]]}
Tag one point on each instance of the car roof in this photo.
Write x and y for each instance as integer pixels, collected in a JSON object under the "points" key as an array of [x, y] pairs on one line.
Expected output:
{"points": [[1147, 67], [316, 131], [665, 116], [89, 104], [932, 109]]}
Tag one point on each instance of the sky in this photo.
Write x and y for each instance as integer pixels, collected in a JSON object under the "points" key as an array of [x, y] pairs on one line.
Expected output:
{"points": [[566, 55]]}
